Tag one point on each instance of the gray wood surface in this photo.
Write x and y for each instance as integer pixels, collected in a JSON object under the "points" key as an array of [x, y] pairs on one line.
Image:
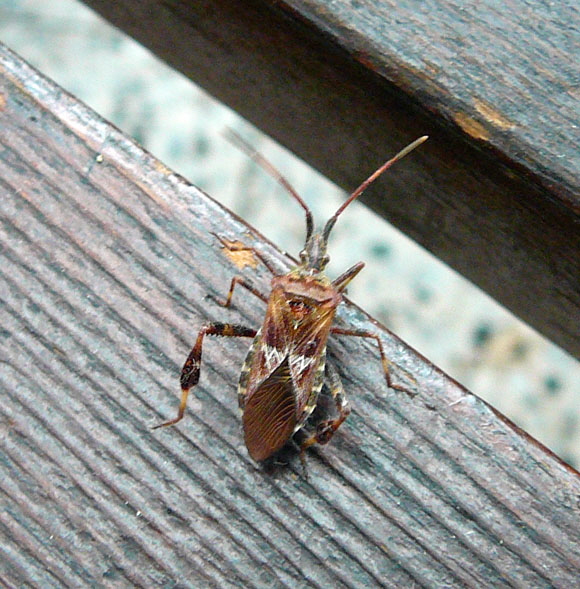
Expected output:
{"points": [[107, 259], [494, 193]]}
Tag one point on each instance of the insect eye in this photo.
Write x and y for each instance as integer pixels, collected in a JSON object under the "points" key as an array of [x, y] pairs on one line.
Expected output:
{"points": [[299, 308]]}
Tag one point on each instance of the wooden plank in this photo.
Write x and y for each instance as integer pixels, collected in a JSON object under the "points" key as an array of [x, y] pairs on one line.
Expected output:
{"points": [[107, 258], [494, 193]]}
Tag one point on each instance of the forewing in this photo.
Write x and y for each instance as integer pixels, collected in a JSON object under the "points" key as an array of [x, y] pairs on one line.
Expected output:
{"points": [[269, 415], [272, 343], [283, 372], [306, 351]]}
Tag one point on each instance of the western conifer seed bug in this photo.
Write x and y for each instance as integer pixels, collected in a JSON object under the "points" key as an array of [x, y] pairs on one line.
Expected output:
{"points": [[286, 365]]}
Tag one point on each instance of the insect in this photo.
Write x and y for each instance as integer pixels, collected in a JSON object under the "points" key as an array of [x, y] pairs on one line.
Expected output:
{"points": [[286, 366]]}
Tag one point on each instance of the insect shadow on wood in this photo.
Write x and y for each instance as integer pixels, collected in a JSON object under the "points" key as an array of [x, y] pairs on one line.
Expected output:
{"points": [[286, 365]]}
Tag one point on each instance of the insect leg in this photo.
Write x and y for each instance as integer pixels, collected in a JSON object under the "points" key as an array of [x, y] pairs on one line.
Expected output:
{"points": [[248, 286], [239, 247], [325, 429], [385, 361], [191, 368]]}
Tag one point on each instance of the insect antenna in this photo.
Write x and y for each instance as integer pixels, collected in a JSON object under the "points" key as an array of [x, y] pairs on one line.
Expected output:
{"points": [[239, 142], [330, 223]]}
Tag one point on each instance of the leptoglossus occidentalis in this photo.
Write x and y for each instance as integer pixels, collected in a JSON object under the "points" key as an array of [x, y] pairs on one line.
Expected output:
{"points": [[286, 365]]}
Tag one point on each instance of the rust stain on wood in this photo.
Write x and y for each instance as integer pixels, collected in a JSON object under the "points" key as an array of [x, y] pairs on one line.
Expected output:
{"points": [[493, 116], [478, 128], [472, 126]]}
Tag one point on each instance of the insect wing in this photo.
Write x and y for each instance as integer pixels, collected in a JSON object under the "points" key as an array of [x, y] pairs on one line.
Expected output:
{"points": [[294, 332], [270, 414], [307, 351], [285, 376]]}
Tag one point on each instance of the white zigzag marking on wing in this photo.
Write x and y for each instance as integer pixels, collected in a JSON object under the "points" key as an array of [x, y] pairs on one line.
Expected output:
{"points": [[273, 356], [300, 363]]}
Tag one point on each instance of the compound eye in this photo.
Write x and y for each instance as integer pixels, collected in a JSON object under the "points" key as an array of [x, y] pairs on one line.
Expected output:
{"points": [[299, 309]]}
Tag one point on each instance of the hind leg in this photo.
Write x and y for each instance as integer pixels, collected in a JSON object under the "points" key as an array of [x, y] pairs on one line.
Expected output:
{"points": [[326, 429], [192, 367]]}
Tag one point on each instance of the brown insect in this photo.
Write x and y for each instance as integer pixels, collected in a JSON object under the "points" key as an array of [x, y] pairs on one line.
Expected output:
{"points": [[286, 365]]}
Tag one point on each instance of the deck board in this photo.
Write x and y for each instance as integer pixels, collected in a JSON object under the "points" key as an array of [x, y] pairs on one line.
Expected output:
{"points": [[107, 258]]}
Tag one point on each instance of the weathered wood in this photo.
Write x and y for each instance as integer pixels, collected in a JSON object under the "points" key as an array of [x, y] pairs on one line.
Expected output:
{"points": [[107, 259], [494, 193]]}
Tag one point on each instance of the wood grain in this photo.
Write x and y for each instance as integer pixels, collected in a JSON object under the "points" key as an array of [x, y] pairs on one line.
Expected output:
{"points": [[107, 261], [495, 191]]}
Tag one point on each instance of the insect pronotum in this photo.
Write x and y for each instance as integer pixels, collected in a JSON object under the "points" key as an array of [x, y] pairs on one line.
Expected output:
{"points": [[286, 365]]}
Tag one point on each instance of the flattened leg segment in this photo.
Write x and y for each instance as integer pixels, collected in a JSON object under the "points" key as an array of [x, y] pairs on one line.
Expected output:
{"points": [[191, 369]]}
